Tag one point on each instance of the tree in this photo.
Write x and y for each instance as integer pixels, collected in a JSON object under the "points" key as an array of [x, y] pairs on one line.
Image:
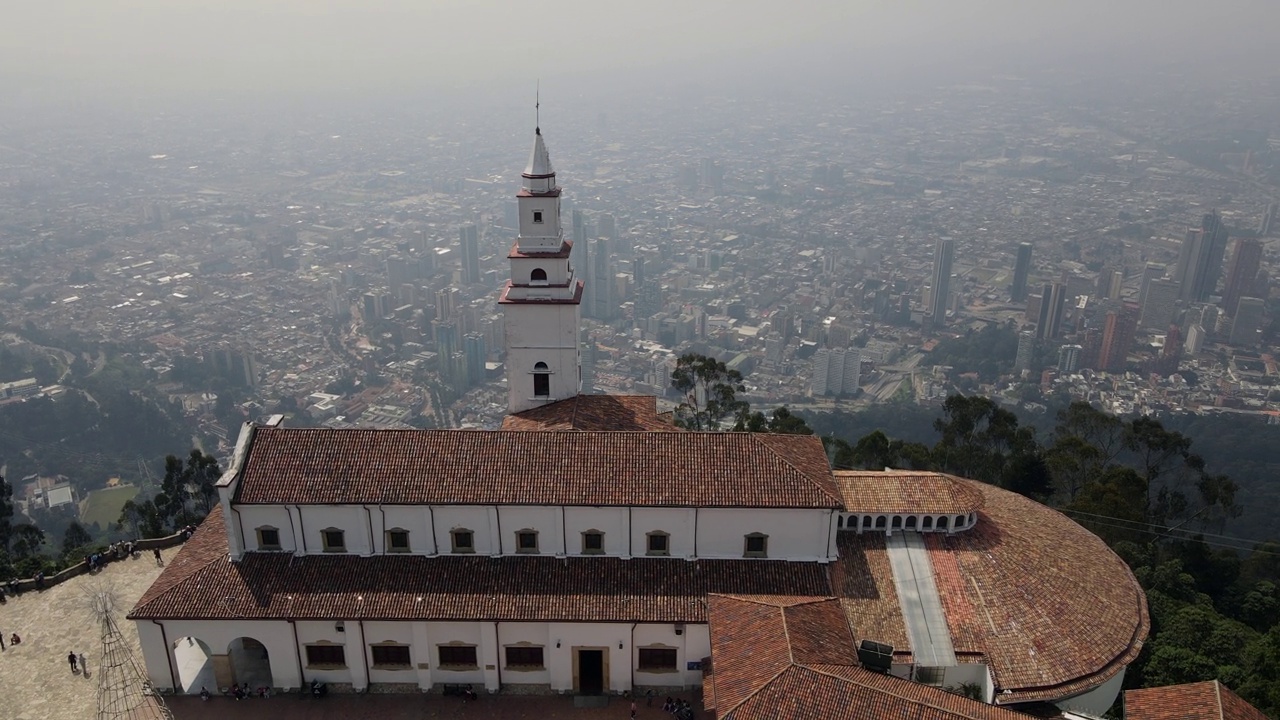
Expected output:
{"points": [[142, 519], [27, 539], [187, 489], [781, 421], [6, 514], [74, 538], [710, 391]]}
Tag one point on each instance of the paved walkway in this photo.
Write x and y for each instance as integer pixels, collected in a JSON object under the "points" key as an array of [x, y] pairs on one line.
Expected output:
{"points": [[35, 679]]}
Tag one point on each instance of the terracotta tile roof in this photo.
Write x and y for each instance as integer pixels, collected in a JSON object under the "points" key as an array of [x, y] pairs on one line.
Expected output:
{"points": [[201, 583], [702, 469], [796, 661], [594, 412], [1209, 700], [1048, 605], [863, 580], [1011, 585], [900, 491]]}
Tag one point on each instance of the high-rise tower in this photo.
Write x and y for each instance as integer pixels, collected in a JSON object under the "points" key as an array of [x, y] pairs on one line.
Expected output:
{"points": [[542, 299], [1200, 260], [1053, 301], [943, 255], [469, 239], [1241, 273], [1021, 269]]}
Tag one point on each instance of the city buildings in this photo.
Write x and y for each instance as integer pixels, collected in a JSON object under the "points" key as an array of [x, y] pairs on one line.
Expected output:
{"points": [[1242, 272], [1053, 300], [469, 242], [1117, 337], [1200, 259], [836, 371], [1021, 271], [940, 291], [1250, 315]]}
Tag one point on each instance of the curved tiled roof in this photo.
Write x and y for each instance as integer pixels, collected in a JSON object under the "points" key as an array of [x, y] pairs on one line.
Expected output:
{"points": [[902, 491], [1050, 607], [467, 467]]}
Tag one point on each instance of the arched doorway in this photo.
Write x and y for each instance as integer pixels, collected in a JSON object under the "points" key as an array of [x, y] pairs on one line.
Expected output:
{"points": [[193, 661], [250, 663]]}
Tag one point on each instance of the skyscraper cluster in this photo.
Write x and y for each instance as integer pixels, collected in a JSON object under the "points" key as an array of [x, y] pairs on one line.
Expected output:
{"points": [[1200, 260], [836, 372]]}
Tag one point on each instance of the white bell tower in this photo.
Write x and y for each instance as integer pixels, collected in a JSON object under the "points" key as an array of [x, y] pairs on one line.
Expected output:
{"points": [[541, 300]]}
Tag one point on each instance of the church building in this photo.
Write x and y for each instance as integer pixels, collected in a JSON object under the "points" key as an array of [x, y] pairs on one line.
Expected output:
{"points": [[590, 547]]}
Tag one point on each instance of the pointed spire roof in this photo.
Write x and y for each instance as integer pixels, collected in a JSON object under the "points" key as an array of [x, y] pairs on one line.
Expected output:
{"points": [[539, 160]]}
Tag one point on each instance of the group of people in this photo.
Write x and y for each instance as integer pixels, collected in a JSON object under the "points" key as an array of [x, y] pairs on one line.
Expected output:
{"points": [[115, 551], [680, 708], [79, 663], [238, 692]]}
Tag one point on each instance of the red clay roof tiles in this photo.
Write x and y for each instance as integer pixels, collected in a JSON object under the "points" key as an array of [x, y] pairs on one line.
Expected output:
{"points": [[1209, 700], [901, 491], [594, 412], [318, 466]]}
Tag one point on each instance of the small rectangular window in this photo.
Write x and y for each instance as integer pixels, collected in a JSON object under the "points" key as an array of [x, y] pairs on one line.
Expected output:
{"points": [[326, 656], [537, 216], [756, 545], [592, 543], [524, 658], [268, 539], [541, 385], [397, 541], [527, 541], [333, 540], [657, 543], [390, 655], [463, 541], [657, 659], [457, 656]]}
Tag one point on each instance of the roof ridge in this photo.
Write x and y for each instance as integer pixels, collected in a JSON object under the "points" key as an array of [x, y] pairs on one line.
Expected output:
{"points": [[729, 711], [835, 497], [1217, 694], [920, 699]]}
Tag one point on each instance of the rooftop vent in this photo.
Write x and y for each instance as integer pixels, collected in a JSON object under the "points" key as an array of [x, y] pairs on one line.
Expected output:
{"points": [[875, 656]]}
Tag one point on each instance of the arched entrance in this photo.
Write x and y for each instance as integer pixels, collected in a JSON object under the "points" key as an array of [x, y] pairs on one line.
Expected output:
{"points": [[193, 661], [250, 663]]}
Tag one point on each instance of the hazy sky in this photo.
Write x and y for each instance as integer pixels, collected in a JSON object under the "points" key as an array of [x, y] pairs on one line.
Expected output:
{"points": [[173, 48]]}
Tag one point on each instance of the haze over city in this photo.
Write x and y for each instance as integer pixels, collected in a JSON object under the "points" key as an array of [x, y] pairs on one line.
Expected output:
{"points": [[948, 327]]}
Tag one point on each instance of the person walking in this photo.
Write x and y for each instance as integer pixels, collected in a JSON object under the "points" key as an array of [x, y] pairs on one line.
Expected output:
{"points": [[156, 553], [71, 658], [84, 664]]}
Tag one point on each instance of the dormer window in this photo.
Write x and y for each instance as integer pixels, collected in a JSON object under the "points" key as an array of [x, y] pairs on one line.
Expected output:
{"points": [[541, 380], [527, 541], [537, 216], [398, 540], [268, 538], [538, 277], [333, 540], [463, 540], [592, 542]]}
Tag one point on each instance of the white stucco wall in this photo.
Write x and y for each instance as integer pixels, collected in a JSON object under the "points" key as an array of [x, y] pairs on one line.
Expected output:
{"points": [[275, 636], [678, 522], [476, 518], [253, 517], [541, 332], [351, 519], [792, 534], [414, 518], [612, 521], [544, 520], [1098, 700]]}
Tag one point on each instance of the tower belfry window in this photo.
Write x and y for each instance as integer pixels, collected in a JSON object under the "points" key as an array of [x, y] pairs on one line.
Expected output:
{"points": [[538, 277], [541, 380], [537, 216]]}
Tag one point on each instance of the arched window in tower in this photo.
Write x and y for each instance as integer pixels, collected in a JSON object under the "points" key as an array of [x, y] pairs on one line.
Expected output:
{"points": [[538, 277], [541, 380]]}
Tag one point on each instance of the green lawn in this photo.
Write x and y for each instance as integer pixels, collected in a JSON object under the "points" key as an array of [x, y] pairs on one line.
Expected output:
{"points": [[103, 506]]}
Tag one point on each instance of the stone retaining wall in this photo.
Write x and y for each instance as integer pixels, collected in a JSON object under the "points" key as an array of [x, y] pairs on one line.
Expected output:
{"points": [[82, 567]]}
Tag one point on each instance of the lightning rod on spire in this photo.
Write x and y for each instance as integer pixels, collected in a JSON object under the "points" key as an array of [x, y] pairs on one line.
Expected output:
{"points": [[537, 108]]}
